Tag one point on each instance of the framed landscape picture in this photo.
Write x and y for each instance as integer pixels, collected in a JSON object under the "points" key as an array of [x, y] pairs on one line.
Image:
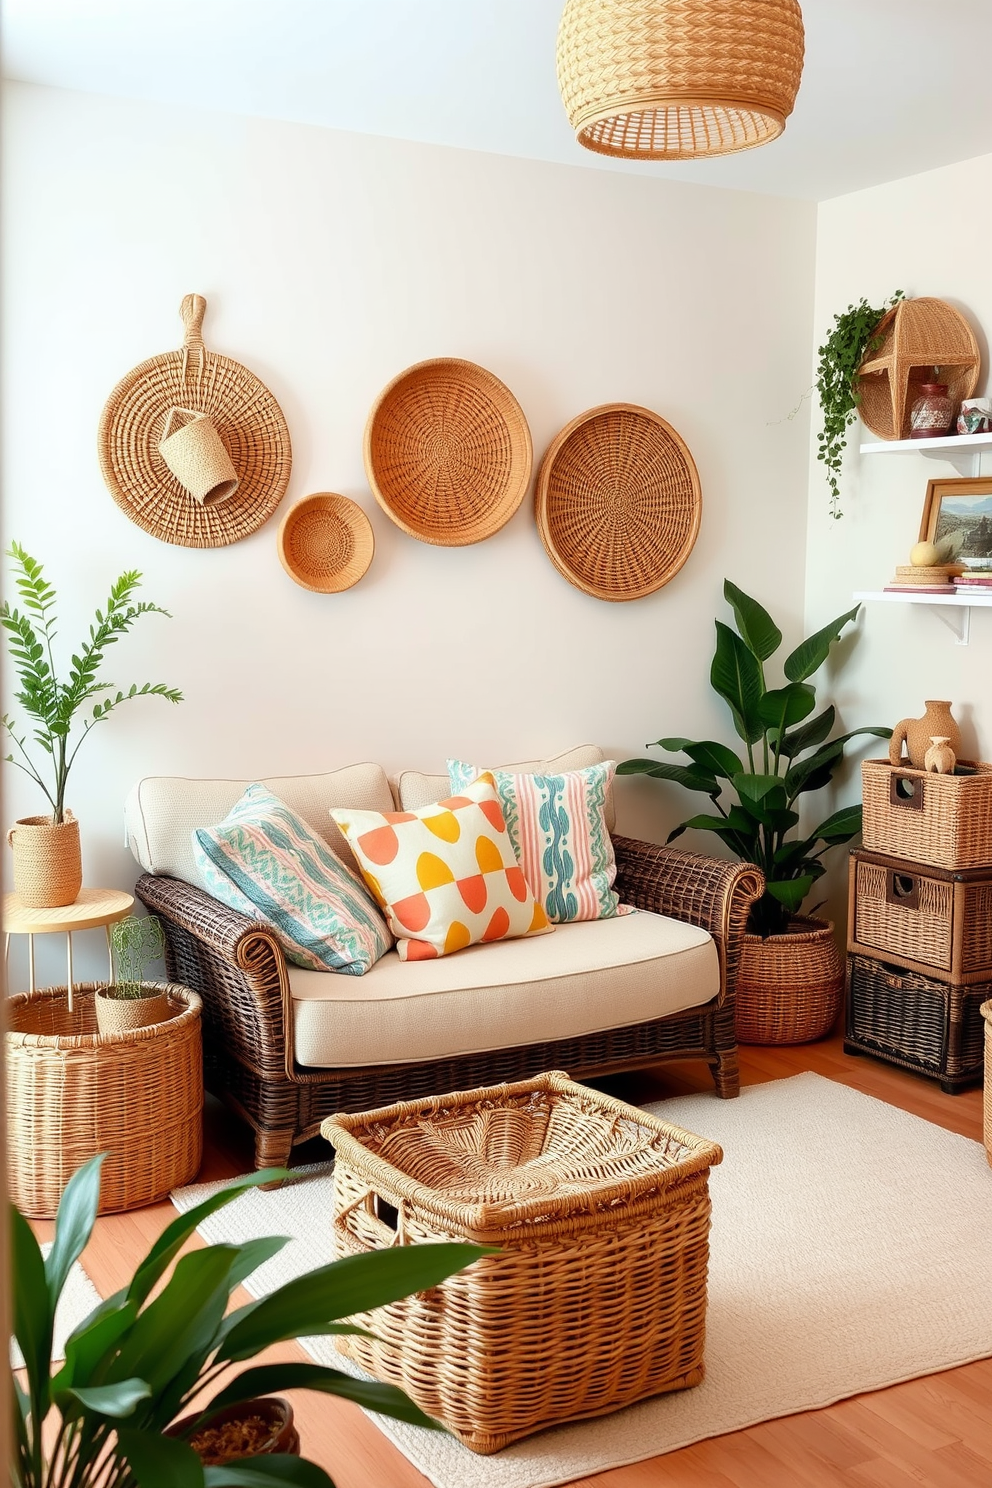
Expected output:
{"points": [[961, 506]]}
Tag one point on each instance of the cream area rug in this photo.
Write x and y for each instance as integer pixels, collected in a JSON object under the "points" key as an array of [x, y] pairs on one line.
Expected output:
{"points": [[849, 1251]]}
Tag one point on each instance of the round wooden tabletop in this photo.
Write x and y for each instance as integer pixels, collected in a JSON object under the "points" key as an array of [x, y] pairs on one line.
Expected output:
{"points": [[93, 908]]}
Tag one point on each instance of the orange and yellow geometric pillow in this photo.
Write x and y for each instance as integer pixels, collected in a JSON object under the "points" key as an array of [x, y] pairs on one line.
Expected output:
{"points": [[446, 876]]}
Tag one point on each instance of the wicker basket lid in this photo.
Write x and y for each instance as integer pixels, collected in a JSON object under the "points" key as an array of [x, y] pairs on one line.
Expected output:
{"points": [[326, 542], [448, 452], [244, 413], [618, 502], [913, 338]]}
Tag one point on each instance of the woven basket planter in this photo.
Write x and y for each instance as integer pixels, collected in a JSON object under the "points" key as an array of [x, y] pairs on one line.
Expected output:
{"points": [[48, 867], [597, 1297], [73, 1092], [987, 1092], [789, 987]]}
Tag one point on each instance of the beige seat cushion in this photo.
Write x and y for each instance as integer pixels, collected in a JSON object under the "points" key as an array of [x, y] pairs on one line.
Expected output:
{"points": [[414, 789], [163, 810], [587, 976]]}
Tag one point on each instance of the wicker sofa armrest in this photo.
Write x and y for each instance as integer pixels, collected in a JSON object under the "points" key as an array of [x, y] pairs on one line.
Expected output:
{"points": [[237, 966], [709, 892]]}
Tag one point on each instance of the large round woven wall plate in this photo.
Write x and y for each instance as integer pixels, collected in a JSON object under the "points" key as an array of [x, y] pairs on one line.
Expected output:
{"points": [[618, 502], [326, 542], [245, 415], [448, 452]]}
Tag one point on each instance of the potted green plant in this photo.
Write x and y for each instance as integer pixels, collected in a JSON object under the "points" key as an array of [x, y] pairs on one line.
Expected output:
{"points": [[789, 753], [845, 348], [47, 861], [138, 1360], [129, 1001]]}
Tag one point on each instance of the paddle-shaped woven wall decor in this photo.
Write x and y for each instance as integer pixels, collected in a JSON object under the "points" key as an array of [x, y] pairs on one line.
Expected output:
{"points": [[208, 418]]}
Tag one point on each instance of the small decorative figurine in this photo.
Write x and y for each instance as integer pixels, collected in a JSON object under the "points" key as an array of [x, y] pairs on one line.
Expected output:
{"points": [[940, 758]]}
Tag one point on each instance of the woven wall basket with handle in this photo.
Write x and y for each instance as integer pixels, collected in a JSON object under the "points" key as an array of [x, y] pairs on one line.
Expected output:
{"points": [[245, 415]]}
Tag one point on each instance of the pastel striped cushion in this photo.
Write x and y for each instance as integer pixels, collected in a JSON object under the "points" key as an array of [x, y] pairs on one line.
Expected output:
{"points": [[264, 861], [558, 829]]}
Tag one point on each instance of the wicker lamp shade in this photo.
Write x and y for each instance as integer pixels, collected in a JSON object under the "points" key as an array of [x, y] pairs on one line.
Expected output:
{"points": [[448, 452], [326, 542], [246, 417], [679, 79], [618, 502], [913, 338]]}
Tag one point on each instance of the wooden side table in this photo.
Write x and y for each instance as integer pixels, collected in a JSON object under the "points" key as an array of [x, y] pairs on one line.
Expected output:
{"points": [[92, 909]]}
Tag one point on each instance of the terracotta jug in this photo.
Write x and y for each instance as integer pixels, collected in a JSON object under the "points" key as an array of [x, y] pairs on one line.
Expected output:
{"points": [[918, 732]]}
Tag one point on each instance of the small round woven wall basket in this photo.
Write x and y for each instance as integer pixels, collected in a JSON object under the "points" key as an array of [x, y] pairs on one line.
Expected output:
{"points": [[326, 542], [789, 987], [913, 338], [198, 407], [618, 502], [448, 452]]}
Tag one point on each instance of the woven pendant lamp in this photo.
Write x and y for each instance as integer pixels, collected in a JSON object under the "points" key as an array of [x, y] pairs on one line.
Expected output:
{"points": [[678, 79]]}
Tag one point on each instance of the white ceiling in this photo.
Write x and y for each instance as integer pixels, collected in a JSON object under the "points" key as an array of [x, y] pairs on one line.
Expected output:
{"points": [[891, 87]]}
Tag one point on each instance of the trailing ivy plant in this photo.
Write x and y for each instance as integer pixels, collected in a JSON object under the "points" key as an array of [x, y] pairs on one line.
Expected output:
{"points": [[840, 356], [789, 754]]}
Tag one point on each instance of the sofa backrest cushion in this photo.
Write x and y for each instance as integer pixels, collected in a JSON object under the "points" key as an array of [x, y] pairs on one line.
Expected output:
{"points": [[414, 789], [162, 811]]}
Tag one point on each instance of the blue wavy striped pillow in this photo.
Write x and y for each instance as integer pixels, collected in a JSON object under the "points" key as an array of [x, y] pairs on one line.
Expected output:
{"points": [[267, 863]]}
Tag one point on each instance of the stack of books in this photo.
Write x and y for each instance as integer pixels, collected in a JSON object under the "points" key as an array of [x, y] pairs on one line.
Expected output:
{"points": [[974, 581]]}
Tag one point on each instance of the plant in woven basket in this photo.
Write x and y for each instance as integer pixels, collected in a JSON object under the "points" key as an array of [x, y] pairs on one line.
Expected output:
{"points": [[53, 703], [137, 1361], [789, 754], [840, 356], [137, 941]]}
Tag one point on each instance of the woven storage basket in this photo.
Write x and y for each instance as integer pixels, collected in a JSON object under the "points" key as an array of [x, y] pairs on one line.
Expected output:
{"points": [[326, 542], [72, 1092], [986, 1011], [618, 502], [918, 1022], [916, 336], [789, 987], [944, 820], [928, 918], [678, 79], [448, 452], [598, 1295], [48, 864]]}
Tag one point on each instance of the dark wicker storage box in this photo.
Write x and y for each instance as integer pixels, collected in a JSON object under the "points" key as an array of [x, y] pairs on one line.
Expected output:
{"points": [[927, 919], [945, 820], [916, 1021]]}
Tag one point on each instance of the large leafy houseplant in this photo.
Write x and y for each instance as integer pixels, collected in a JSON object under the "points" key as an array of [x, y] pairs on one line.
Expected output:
{"points": [[53, 702], [851, 337], [789, 754], [136, 1362]]}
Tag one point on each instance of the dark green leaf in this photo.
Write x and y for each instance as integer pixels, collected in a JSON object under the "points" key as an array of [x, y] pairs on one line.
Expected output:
{"points": [[754, 788], [736, 675], [116, 1401], [784, 706], [840, 827], [809, 774], [716, 758], [725, 827], [688, 775], [760, 633], [790, 892], [94, 1342], [262, 1472], [810, 655], [182, 1320], [265, 1379], [73, 1224], [32, 1310], [158, 1461], [809, 735]]}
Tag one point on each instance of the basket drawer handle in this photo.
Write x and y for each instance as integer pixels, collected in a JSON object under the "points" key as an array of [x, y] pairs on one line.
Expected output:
{"points": [[381, 1217], [906, 792], [902, 889]]}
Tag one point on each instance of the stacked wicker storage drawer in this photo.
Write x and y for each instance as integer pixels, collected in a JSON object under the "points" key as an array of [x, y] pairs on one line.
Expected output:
{"points": [[920, 922]]}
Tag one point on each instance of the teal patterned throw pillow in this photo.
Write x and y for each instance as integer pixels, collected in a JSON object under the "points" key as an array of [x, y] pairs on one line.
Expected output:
{"points": [[267, 863]]}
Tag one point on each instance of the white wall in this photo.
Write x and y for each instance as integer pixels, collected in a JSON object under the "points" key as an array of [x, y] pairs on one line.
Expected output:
{"points": [[927, 235], [330, 262]]}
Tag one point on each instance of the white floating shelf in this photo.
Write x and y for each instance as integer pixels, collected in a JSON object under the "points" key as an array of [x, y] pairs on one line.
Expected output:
{"points": [[963, 451], [960, 625]]}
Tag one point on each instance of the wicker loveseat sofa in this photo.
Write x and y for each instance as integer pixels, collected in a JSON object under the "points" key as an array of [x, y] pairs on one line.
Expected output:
{"points": [[287, 1047]]}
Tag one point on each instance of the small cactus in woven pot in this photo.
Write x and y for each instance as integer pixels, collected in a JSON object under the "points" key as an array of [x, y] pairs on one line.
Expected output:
{"points": [[130, 1002]]}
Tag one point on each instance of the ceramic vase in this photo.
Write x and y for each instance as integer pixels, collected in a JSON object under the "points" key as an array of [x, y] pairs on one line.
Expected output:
{"points": [[917, 734], [940, 758], [932, 413]]}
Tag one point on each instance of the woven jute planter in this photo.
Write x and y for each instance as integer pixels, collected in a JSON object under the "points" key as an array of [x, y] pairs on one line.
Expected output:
{"points": [[73, 1092], [120, 1014], [789, 987], [987, 1093], [48, 865]]}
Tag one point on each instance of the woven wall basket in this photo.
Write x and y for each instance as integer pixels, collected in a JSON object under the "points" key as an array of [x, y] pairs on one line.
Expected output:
{"points": [[448, 452], [326, 542], [678, 79], [916, 336], [244, 413], [618, 502]]}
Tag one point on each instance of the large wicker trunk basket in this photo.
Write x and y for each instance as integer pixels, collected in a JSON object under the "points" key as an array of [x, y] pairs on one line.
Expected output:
{"points": [[73, 1092], [916, 1021], [945, 820], [930, 919], [597, 1297]]}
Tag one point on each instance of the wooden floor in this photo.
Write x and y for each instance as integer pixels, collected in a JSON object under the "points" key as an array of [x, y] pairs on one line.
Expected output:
{"points": [[934, 1431]]}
